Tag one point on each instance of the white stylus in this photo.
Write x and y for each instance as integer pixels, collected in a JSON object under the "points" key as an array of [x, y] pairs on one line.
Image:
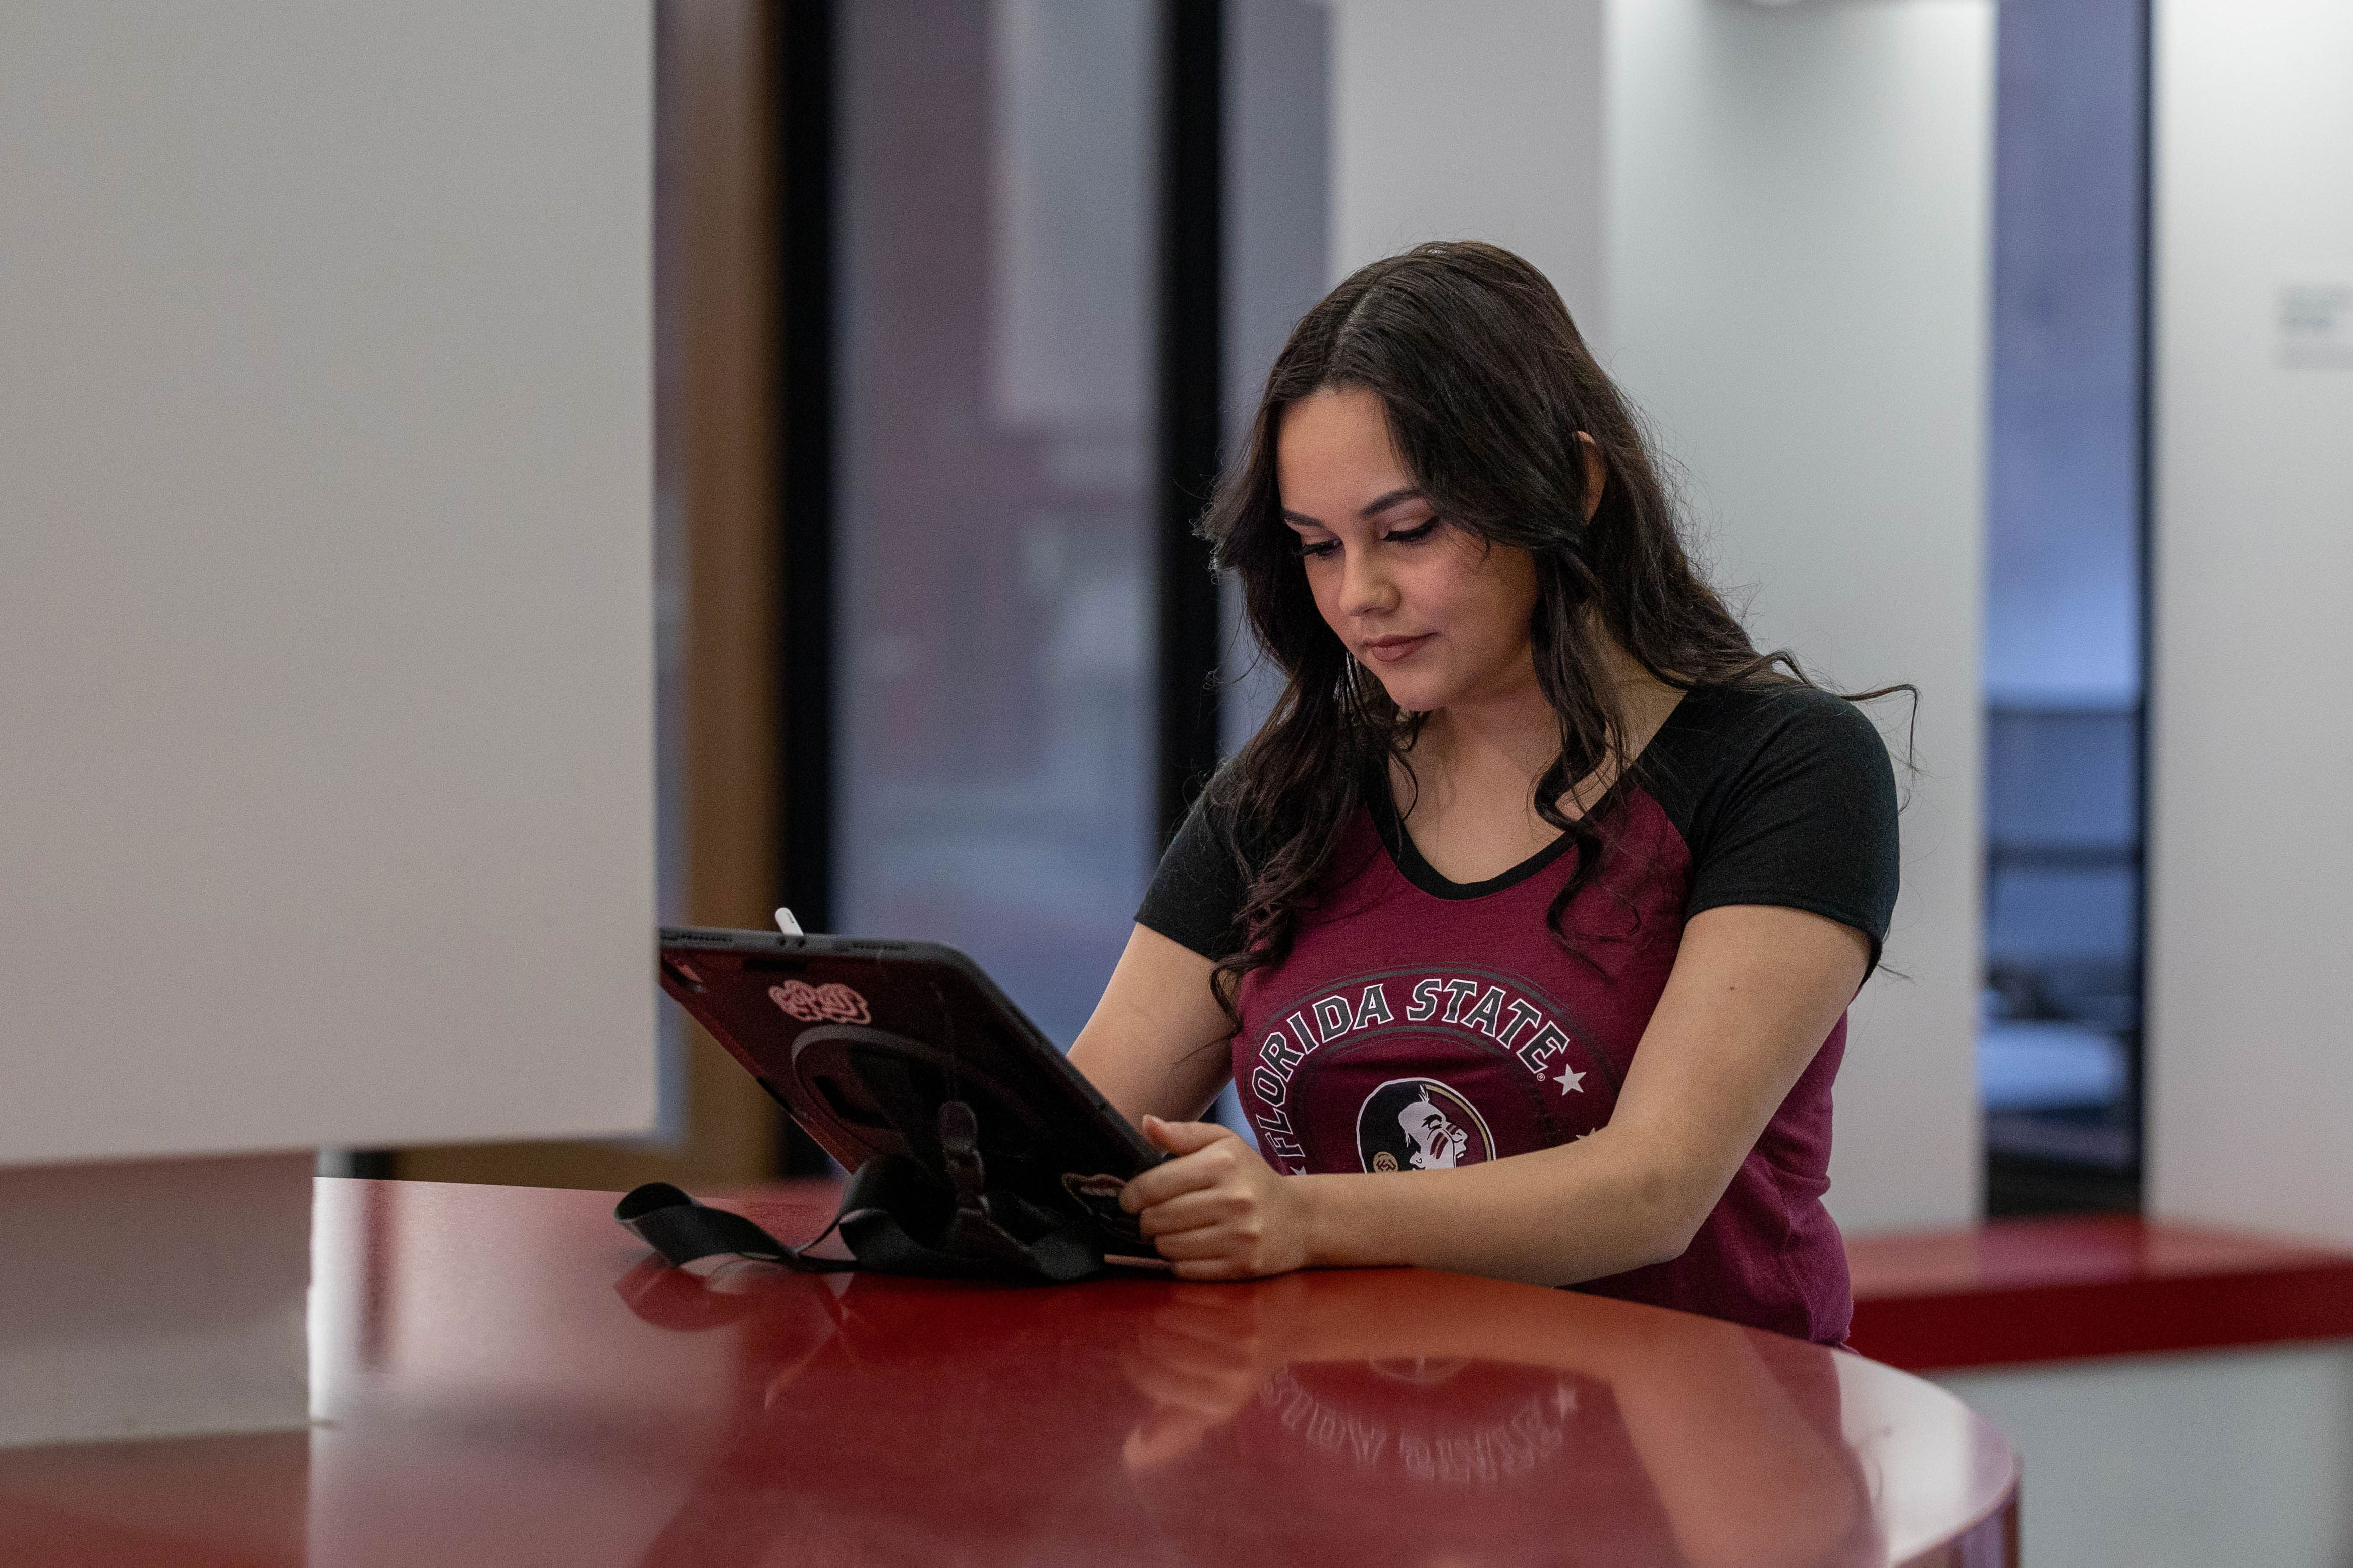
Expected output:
{"points": [[787, 925]]}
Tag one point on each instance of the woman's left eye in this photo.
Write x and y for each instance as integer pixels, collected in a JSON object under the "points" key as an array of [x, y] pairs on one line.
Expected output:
{"points": [[1411, 535]]}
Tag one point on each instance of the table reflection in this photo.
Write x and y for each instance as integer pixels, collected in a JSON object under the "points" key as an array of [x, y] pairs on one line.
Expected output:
{"points": [[501, 1379], [1366, 1417]]}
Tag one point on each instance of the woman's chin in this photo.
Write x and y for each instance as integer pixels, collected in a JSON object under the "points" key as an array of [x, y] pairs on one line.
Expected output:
{"points": [[1411, 689], [1414, 696]]}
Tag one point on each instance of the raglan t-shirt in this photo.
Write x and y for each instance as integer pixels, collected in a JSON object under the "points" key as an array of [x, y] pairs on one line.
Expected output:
{"points": [[1419, 1023]]}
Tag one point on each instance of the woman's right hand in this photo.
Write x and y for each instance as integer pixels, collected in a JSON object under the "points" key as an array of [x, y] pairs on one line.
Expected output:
{"points": [[1217, 1211]]}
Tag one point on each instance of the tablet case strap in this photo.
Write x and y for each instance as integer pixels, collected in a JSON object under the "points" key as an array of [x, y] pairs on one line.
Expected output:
{"points": [[896, 1217], [683, 1230]]}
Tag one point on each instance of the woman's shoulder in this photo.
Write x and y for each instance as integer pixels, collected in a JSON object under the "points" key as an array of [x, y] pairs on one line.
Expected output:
{"points": [[1784, 793], [1718, 728], [1724, 746], [1196, 894], [1768, 709]]}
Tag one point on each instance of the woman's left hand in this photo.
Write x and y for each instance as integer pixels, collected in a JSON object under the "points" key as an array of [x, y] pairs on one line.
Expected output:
{"points": [[1217, 1211]]}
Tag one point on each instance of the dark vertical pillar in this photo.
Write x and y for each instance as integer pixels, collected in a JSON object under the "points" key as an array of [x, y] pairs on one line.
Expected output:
{"points": [[1192, 251], [803, 70], [2144, 492], [803, 44]]}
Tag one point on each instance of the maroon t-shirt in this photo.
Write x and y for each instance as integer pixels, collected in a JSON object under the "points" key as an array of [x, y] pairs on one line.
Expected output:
{"points": [[1419, 1023]]}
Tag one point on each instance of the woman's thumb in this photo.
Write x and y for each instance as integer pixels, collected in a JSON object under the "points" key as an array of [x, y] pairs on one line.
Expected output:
{"points": [[1182, 1137]]}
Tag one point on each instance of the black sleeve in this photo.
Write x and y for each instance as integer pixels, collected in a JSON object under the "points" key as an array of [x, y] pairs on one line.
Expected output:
{"points": [[1797, 809], [1196, 894]]}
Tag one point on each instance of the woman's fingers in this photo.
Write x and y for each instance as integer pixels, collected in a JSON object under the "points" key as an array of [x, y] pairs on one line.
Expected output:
{"points": [[1175, 1179], [1228, 1239], [1186, 1137], [1201, 1162], [1190, 1211]]}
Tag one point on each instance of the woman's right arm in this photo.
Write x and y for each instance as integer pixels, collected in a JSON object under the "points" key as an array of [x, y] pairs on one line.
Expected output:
{"points": [[1157, 1043]]}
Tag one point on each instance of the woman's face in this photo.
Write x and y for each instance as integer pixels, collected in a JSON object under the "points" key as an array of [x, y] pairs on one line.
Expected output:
{"points": [[1439, 614]]}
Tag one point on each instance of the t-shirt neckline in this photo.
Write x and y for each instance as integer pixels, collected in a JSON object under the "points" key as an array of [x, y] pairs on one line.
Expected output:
{"points": [[1405, 855]]}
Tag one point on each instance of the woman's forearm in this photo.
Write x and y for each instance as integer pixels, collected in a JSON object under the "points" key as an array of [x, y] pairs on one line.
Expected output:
{"points": [[1157, 1042], [1755, 992], [1582, 1211]]}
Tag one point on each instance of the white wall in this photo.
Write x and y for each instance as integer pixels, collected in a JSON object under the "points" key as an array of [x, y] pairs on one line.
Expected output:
{"points": [[2180, 1461], [2252, 880], [1798, 201], [1478, 120], [325, 575], [1773, 221], [143, 1298]]}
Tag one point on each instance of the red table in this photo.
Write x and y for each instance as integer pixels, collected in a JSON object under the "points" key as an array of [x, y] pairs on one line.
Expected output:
{"points": [[502, 1377], [2065, 1288]]}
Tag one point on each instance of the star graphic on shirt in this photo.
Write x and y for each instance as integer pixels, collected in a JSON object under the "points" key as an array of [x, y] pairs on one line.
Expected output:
{"points": [[1568, 1079]]}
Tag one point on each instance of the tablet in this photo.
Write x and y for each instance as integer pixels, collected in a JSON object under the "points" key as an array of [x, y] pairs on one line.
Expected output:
{"points": [[863, 1040]]}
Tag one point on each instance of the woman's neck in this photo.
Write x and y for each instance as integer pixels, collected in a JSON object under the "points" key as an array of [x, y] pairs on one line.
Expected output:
{"points": [[1513, 730], [1507, 738]]}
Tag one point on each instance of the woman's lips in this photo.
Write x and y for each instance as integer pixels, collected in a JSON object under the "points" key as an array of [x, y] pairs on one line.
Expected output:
{"points": [[1388, 650]]}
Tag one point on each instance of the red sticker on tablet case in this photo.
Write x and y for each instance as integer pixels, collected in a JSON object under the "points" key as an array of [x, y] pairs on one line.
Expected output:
{"points": [[829, 1004]]}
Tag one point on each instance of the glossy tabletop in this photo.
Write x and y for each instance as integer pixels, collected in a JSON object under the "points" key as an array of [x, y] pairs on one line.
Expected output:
{"points": [[502, 1375], [2062, 1289]]}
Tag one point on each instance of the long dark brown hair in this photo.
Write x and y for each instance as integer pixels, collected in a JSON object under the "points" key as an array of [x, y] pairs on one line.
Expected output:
{"points": [[1487, 387]]}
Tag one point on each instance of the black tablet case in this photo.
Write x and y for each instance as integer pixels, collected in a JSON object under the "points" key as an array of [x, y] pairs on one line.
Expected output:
{"points": [[863, 1042]]}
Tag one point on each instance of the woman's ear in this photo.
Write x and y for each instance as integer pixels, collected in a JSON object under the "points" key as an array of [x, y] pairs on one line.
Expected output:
{"points": [[1597, 474]]}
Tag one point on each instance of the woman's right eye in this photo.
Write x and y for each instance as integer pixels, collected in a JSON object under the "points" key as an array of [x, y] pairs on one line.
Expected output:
{"points": [[1315, 550]]}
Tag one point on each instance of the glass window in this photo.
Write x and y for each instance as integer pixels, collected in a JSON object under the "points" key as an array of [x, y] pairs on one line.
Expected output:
{"points": [[2059, 1047], [996, 319]]}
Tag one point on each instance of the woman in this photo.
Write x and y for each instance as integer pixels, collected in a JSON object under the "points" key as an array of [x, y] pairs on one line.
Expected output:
{"points": [[1532, 913]]}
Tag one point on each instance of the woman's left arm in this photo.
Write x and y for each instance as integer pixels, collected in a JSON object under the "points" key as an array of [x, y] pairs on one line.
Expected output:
{"points": [[1754, 991]]}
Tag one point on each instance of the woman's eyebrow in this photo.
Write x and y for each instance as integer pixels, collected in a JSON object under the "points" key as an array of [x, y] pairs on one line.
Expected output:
{"points": [[1373, 509]]}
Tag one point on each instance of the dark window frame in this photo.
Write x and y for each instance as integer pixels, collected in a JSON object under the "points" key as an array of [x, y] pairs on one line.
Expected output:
{"points": [[803, 73], [1191, 379], [2019, 1185]]}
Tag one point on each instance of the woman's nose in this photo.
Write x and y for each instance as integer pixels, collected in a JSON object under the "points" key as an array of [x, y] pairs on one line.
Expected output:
{"points": [[1366, 587]]}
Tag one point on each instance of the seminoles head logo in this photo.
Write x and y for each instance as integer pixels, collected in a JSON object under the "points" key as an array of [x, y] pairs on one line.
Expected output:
{"points": [[1420, 1124], [820, 1003]]}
